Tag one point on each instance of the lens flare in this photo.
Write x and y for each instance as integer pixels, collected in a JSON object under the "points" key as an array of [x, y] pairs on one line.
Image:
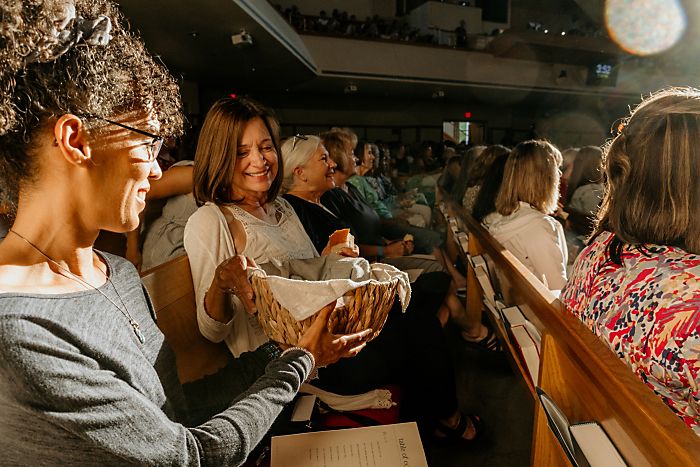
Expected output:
{"points": [[645, 27]]}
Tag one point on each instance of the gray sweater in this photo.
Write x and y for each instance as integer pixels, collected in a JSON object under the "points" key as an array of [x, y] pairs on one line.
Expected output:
{"points": [[77, 388]]}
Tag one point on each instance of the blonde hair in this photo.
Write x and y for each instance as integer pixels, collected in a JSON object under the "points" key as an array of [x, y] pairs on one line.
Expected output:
{"points": [[531, 175], [217, 148], [652, 168]]}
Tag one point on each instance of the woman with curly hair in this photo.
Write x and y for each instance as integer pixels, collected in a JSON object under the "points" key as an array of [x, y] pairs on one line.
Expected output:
{"points": [[85, 374], [636, 284]]}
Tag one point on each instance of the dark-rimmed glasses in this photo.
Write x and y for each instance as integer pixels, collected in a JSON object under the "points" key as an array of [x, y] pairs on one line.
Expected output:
{"points": [[153, 147]]}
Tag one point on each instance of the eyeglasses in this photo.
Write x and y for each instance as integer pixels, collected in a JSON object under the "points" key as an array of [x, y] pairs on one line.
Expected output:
{"points": [[153, 147], [298, 137]]}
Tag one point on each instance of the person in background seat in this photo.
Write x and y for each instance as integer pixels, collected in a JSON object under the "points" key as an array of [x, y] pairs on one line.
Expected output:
{"points": [[522, 222]]}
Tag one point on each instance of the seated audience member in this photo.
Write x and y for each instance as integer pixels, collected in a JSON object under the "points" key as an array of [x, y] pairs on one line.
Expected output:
{"points": [[477, 171], [521, 223], [380, 178], [346, 201], [400, 159], [585, 186], [461, 184], [86, 376], [237, 176], [636, 284], [568, 159], [163, 236], [414, 214], [309, 172], [449, 176], [485, 202]]}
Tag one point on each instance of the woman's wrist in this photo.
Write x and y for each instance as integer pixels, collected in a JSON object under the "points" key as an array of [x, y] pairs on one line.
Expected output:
{"points": [[306, 351], [313, 373]]}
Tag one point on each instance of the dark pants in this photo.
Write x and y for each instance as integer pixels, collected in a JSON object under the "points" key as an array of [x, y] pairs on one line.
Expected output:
{"points": [[425, 240], [411, 350]]}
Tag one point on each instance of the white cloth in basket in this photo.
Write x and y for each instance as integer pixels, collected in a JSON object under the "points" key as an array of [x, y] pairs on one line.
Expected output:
{"points": [[374, 399], [304, 286]]}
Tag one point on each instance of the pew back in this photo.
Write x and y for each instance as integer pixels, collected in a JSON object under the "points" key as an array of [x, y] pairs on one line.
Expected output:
{"points": [[578, 371], [172, 293]]}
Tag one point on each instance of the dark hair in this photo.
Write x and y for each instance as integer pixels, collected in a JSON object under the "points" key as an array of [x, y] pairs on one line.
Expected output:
{"points": [[43, 76], [462, 183], [482, 162], [217, 147], [360, 150], [587, 169], [485, 202], [652, 195]]}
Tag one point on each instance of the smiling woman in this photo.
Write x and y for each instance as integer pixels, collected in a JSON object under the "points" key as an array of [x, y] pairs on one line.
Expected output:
{"points": [[82, 110]]}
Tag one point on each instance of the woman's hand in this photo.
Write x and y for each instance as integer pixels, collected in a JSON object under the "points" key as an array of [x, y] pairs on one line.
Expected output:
{"points": [[326, 347], [398, 248], [231, 277], [353, 252]]}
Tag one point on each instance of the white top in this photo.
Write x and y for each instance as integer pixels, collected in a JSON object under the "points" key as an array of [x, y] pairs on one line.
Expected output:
{"points": [[163, 237], [208, 242], [536, 239]]}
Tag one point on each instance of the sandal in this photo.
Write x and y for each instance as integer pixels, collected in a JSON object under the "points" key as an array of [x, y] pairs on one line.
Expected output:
{"points": [[456, 434], [489, 343]]}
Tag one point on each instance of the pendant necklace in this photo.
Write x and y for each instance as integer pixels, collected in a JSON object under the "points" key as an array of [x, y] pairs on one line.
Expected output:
{"points": [[63, 271]]}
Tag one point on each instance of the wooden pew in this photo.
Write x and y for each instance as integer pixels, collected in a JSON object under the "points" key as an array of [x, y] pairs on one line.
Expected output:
{"points": [[578, 371], [172, 293]]}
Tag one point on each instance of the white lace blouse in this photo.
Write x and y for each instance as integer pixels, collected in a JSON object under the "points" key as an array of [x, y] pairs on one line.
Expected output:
{"points": [[208, 242]]}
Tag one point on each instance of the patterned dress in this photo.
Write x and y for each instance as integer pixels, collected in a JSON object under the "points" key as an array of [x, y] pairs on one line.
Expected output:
{"points": [[648, 312]]}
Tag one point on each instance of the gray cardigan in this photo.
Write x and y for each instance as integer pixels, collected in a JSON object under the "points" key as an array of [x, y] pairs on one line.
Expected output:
{"points": [[77, 387]]}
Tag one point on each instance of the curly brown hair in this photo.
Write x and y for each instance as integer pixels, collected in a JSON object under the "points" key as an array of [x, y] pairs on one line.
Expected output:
{"points": [[38, 84]]}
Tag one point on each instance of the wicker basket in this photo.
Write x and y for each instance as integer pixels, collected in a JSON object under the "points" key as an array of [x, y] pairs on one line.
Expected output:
{"points": [[365, 307]]}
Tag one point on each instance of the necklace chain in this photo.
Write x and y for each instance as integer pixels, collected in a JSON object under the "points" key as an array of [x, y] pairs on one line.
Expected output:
{"points": [[74, 277]]}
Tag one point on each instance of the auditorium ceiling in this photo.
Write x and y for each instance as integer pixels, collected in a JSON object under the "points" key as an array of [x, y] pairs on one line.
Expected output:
{"points": [[194, 40]]}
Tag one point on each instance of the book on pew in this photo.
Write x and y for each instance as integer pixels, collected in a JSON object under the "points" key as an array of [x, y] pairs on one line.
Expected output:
{"points": [[463, 240], [395, 445], [485, 282], [585, 444], [528, 350], [514, 317], [495, 308], [482, 275], [478, 260], [594, 444]]}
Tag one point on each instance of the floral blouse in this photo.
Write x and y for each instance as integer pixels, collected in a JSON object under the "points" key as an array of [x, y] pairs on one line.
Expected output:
{"points": [[648, 312]]}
